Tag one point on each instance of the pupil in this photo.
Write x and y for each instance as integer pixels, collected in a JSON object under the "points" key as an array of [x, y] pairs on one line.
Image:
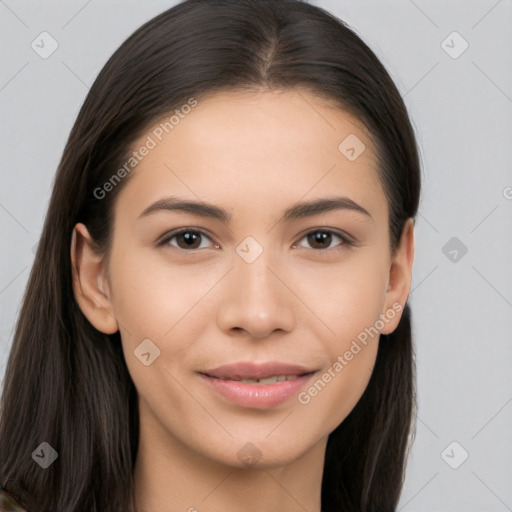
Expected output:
{"points": [[320, 237], [190, 238]]}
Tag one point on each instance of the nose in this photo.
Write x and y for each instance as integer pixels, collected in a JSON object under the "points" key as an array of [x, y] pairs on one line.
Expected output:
{"points": [[257, 299]]}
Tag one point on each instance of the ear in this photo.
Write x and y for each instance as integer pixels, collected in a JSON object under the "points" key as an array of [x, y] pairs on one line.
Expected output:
{"points": [[400, 277], [90, 284]]}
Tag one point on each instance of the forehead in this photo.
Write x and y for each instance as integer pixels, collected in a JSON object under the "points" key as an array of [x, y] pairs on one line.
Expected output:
{"points": [[290, 119], [265, 147]]}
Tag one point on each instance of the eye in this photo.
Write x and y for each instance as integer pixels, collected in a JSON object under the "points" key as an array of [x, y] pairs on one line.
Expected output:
{"points": [[186, 239], [322, 239]]}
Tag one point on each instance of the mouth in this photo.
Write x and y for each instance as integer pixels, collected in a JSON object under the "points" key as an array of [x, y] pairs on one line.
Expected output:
{"points": [[254, 385], [258, 372], [263, 382]]}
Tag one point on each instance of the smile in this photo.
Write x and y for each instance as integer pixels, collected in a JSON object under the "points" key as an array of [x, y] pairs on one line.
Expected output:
{"points": [[248, 384]]}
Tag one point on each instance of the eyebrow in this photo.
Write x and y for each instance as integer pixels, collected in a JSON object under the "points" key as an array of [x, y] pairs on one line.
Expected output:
{"points": [[298, 211]]}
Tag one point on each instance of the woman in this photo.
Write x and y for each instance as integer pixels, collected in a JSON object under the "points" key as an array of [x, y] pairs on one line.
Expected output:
{"points": [[217, 315]]}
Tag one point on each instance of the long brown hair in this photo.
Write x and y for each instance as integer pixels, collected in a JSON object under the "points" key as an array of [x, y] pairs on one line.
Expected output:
{"points": [[66, 383]]}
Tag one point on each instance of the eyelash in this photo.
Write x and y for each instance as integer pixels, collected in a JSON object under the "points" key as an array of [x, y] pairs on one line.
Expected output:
{"points": [[169, 236]]}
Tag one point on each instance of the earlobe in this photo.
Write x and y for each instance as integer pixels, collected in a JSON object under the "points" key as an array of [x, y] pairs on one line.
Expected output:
{"points": [[89, 281], [400, 277]]}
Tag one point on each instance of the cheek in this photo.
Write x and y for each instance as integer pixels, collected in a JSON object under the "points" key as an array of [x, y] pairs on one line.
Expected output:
{"points": [[352, 352], [151, 298], [166, 304], [348, 297], [156, 302], [334, 393], [351, 306]]}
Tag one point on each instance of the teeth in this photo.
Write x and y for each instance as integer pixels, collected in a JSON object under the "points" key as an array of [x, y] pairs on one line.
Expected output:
{"points": [[269, 380]]}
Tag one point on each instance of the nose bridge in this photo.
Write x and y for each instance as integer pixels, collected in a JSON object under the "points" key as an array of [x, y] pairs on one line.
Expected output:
{"points": [[259, 287], [258, 302], [256, 279], [253, 264]]}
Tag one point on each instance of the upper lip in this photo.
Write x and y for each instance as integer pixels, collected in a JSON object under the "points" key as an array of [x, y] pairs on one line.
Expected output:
{"points": [[251, 370]]}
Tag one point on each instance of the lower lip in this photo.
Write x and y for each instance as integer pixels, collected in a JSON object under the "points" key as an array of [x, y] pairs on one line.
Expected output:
{"points": [[257, 395]]}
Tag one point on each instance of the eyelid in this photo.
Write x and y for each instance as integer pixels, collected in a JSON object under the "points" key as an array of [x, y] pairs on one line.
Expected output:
{"points": [[165, 238], [345, 237]]}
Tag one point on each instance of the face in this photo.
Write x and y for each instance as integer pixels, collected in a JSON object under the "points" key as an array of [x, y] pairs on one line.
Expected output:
{"points": [[246, 281]]}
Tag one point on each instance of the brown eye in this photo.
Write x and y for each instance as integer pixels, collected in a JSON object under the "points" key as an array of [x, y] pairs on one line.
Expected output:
{"points": [[187, 240], [322, 239], [319, 239]]}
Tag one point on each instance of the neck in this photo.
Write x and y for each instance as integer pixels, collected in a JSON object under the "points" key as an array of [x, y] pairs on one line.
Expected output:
{"points": [[170, 477]]}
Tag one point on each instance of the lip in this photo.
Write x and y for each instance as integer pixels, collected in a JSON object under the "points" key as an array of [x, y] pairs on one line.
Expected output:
{"points": [[221, 381], [251, 370]]}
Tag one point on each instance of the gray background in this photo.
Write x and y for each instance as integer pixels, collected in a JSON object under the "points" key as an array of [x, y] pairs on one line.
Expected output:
{"points": [[462, 112]]}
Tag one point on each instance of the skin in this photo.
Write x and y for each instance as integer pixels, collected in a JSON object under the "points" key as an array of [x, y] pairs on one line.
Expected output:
{"points": [[254, 154]]}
